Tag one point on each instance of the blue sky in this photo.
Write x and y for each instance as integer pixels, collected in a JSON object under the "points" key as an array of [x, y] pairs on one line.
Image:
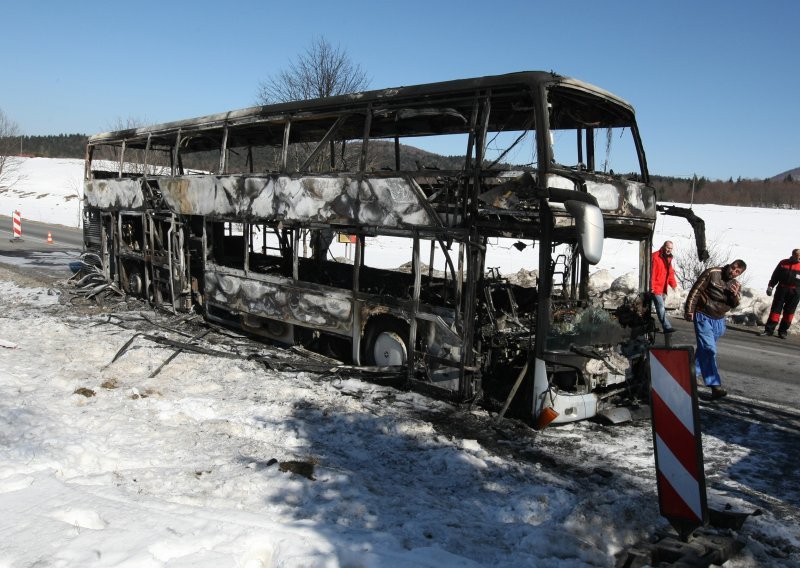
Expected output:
{"points": [[715, 84]]}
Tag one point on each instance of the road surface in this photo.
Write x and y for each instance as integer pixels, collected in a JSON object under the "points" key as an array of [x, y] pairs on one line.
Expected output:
{"points": [[34, 235], [34, 253], [762, 368]]}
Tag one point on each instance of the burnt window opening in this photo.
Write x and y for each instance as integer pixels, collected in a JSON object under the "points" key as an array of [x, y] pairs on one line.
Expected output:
{"points": [[226, 244], [385, 278], [137, 160], [270, 249], [131, 233], [323, 260], [587, 134]]}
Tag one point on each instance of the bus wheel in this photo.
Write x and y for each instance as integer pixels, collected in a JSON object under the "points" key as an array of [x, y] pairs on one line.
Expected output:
{"points": [[386, 343]]}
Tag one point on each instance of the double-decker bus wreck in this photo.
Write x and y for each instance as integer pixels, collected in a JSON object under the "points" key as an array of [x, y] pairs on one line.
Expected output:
{"points": [[234, 215]]}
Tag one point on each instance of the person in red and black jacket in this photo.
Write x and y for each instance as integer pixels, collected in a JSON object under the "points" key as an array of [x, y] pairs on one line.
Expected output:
{"points": [[786, 277], [662, 275]]}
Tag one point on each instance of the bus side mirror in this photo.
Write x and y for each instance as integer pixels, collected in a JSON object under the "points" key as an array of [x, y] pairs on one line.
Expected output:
{"points": [[589, 224]]}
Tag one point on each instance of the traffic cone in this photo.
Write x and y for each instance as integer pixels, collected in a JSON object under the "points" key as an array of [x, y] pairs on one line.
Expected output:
{"points": [[49, 238]]}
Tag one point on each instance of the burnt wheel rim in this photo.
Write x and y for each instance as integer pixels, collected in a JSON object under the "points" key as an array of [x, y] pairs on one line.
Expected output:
{"points": [[389, 350]]}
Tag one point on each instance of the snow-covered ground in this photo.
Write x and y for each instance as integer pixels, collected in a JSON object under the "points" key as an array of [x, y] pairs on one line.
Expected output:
{"points": [[225, 461], [222, 462], [47, 190]]}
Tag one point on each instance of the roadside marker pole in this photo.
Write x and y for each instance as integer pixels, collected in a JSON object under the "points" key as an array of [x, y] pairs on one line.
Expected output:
{"points": [[17, 225], [49, 238], [679, 473], [677, 439]]}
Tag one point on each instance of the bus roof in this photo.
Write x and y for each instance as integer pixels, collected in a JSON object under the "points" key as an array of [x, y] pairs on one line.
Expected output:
{"points": [[434, 93]]}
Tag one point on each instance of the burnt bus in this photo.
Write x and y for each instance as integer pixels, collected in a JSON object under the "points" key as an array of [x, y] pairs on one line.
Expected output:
{"points": [[238, 215]]}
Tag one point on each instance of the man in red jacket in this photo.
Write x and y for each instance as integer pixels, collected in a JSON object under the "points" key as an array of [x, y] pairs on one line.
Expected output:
{"points": [[787, 278], [662, 274]]}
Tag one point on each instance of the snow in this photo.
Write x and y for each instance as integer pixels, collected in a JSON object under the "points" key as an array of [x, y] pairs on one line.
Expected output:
{"points": [[47, 190], [224, 462]]}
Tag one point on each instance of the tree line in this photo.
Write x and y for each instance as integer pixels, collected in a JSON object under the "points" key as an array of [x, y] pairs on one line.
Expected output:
{"points": [[767, 192], [51, 146]]}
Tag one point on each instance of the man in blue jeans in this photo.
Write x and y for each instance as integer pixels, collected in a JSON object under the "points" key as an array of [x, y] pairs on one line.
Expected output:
{"points": [[714, 294]]}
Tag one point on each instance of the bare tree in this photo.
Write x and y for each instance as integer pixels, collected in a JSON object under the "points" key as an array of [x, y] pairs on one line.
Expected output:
{"points": [[322, 71], [689, 267], [9, 163]]}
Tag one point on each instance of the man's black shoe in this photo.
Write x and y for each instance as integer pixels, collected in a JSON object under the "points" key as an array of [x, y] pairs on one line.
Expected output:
{"points": [[766, 332], [782, 334], [670, 330], [718, 392]]}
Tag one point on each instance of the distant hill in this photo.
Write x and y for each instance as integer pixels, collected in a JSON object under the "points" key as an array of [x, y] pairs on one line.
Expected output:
{"points": [[795, 175], [74, 146]]}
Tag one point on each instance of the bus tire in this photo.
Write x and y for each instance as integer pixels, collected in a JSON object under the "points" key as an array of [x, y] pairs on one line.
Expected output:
{"points": [[386, 343]]}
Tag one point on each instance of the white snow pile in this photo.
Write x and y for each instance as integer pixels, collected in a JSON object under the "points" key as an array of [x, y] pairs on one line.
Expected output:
{"points": [[753, 309]]}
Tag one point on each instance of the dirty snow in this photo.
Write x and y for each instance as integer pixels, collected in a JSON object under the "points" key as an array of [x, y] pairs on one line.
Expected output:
{"points": [[222, 462]]}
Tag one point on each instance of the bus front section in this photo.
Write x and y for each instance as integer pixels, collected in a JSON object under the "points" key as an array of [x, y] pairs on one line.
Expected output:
{"points": [[556, 350]]}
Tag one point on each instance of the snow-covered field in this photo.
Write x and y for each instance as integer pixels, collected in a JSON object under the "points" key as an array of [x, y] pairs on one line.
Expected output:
{"points": [[222, 461], [48, 190]]}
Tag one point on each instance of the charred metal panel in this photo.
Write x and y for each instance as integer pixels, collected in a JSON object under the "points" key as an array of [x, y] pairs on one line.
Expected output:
{"points": [[330, 310], [615, 196], [390, 202], [122, 193], [442, 343]]}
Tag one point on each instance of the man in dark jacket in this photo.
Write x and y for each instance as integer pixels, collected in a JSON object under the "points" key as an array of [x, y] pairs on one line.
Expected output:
{"points": [[662, 275], [714, 294], [786, 277]]}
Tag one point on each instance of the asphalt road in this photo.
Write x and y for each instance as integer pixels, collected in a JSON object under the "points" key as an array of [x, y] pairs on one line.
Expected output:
{"points": [[765, 369], [32, 252], [34, 235]]}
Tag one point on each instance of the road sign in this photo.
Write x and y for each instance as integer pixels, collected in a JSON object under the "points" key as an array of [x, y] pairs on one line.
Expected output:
{"points": [[17, 225], [677, 438]]}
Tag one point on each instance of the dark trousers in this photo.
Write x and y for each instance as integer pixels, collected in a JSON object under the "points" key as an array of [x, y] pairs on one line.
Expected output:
{"points": [[784, 302]]}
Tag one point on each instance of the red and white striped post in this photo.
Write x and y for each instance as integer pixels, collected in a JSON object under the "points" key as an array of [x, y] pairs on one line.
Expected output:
{"points": [[676, 439], [17, 225]]}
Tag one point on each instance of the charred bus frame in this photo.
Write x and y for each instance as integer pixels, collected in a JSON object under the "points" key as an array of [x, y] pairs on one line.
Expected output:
{"points": [[213, 213]]}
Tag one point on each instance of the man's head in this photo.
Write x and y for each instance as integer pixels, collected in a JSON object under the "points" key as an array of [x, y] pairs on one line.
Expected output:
{"points": [[666, 248], [736, 267], [796, 254]]}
